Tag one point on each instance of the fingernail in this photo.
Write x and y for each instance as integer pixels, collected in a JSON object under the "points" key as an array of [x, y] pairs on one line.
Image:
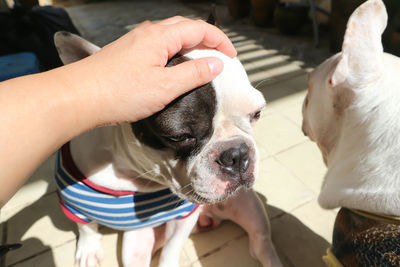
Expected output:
{"points": [[215, 65]]}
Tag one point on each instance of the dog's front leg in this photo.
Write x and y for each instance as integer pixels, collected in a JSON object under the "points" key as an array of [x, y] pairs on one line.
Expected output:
{"points": [[88, 250], [246, 210], [177, 232], [137, 246]]}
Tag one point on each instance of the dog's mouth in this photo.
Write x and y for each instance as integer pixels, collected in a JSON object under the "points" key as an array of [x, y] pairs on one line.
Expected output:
{"points": [[188, 192], [199, 199]]}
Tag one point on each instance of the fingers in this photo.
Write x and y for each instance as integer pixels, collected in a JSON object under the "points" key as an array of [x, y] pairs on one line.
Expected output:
{"points": [[179, 33], [172, 20], [189, 34], [191, 74]]}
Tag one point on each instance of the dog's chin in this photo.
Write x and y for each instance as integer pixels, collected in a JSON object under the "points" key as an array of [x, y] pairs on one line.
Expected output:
{"points": [[212, 198], [199, 199]]}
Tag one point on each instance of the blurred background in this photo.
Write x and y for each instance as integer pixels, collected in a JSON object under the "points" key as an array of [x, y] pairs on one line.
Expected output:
{"points": [[28, 25]]}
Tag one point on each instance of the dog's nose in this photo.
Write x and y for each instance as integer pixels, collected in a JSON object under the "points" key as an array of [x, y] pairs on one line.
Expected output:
{"points": [[235, 160]]}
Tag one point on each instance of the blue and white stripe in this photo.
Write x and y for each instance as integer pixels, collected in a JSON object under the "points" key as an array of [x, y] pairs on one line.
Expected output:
{"points": [[126, 212]]}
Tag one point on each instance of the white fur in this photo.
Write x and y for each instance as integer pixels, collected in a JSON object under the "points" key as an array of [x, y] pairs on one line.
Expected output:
{"points": [[364, 160], [88, 249], [178, 232], [112, 157], [364, 168]]}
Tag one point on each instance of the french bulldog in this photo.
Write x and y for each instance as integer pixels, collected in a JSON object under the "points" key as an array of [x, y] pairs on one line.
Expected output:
{"points": [[352, 112], [183, 169]]}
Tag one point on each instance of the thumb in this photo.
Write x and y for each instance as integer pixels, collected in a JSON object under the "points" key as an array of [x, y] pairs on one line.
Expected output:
{"points": [[193, 73]]}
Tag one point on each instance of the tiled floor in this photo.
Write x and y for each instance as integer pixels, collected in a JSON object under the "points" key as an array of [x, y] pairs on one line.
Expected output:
{"points": [[291, 173]]}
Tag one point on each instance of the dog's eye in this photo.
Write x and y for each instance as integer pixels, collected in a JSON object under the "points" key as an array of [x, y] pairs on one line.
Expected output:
{"points": [[306, 101], [179, 138], [255, 116]]}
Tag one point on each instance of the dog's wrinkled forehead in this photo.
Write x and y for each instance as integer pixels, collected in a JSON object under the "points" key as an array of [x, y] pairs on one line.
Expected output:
{"points": [[185, 125], [237, 99]]}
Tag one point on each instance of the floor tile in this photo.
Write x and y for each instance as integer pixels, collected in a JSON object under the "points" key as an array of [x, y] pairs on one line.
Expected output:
{"points": [[316, 218], [289, 105], [61, 256], [276, 96], [244, 42], [282, 189], [40, 183], [272, 211], [283, 258], [64, 255], [270, 61], [286, 98], [297, 242], [203, 243], [297, 83], [247, 48], [305, 161], [247, 54], [238, 38], [276, 133], [234, 254], [294, 114], [39, 227], [259, 76], [230, 33], [263, 153], [284, 94], [276, 72]]}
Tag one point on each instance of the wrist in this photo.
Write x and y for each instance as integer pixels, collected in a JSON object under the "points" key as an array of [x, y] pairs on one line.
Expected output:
{"points": [[78, 96]]}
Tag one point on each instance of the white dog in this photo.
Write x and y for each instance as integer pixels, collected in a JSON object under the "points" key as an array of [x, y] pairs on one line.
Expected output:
{"points": [[149, 177], [352, 112]]}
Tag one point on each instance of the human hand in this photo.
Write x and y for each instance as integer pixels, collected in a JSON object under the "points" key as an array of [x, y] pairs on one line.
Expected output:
{"points": [[127, 80]]}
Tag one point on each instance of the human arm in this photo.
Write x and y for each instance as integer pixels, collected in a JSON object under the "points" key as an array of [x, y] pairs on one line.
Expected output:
{"points": [[124, 81]]}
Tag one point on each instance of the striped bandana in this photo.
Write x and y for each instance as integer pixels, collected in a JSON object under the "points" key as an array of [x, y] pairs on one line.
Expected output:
{"points": [[83, 201]]}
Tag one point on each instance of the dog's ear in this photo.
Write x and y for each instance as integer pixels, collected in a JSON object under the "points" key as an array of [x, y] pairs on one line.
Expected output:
{"points": [[212, 18], [72, 48], [362, 51]]}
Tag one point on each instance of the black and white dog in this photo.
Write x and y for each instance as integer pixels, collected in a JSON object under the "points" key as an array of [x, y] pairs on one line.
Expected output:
{"points": [[155, 177]]}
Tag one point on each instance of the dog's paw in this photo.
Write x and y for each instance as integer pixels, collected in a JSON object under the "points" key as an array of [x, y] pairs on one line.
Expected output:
{"points": [[89, 252], [206, 223]]}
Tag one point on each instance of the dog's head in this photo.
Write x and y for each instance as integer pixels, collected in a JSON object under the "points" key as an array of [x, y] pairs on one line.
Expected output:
{"points": [[338, 82], [201, 145]]}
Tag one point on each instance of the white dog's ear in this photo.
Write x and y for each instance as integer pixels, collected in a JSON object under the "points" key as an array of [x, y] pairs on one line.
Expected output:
{"points": [[362, 51], [72, 48]]}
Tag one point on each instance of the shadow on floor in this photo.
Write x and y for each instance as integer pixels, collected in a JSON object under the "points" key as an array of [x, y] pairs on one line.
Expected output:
{"points": [[43, 217], [292, 239]]}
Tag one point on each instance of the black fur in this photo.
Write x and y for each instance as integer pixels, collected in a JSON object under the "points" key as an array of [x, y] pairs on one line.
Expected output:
{"points": [[187, 119]]}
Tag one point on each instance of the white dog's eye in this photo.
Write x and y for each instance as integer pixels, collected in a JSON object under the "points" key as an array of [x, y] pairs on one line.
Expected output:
{"points": [[255, 116]]}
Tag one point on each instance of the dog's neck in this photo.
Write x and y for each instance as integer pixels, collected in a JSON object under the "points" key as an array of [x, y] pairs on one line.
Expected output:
{"points": [[364, 167], [136, 161], [104, 156]]}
